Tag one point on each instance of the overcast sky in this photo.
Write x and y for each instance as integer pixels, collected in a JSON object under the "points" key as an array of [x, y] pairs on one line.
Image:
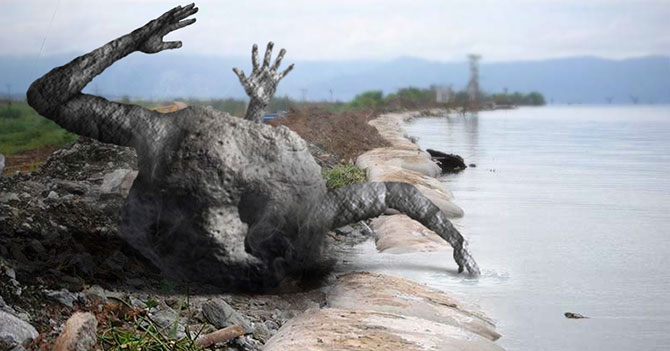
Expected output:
{"points": [[356, 29]]}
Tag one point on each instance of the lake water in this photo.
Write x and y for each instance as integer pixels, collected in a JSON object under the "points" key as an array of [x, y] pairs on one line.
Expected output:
{"points": [[567, 210]]}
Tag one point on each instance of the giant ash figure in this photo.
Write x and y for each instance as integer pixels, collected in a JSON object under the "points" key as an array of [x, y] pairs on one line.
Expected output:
{"points": [[220, 199]]}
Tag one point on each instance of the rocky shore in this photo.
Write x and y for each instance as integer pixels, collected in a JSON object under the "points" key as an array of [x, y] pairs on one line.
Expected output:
{"points": [[60, 259], [367, 311]]}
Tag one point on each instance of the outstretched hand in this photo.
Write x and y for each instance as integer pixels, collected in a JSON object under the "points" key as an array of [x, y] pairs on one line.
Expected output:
{"points": [[153, 32], [262, 82]]}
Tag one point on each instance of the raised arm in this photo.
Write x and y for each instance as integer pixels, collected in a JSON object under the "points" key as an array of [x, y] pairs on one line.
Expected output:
{"points": [[262, 82], [57, 95]]}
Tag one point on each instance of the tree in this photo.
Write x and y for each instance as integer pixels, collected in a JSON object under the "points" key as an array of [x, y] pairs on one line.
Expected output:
{"points": [[534, 99], [369, 99]]}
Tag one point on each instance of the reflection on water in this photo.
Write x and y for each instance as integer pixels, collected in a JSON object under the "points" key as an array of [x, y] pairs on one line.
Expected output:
{"points": [[565, 211]]}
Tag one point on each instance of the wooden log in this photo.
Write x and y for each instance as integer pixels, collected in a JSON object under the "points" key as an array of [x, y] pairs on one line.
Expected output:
{"points": [[221, 335]]}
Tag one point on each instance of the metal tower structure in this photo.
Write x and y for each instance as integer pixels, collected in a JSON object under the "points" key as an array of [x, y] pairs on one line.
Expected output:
{"points": [[473, 85]]}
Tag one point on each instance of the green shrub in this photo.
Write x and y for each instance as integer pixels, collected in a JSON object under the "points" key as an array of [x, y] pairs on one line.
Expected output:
{"points": [[343, 174], [368, 99]]}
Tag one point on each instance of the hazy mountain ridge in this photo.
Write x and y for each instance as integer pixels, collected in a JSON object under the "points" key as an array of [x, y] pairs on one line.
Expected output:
{"points": [[564, 80]]}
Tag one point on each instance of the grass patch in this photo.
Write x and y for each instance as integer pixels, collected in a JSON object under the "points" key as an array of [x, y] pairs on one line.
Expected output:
{"points": [[126, 328], [342, 175], [145, 335], [22, 129]]}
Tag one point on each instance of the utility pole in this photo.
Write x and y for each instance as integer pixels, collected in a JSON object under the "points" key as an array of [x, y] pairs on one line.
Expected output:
{"points": [[304, 94], [331, 95], [473, 85], [9, 96]]}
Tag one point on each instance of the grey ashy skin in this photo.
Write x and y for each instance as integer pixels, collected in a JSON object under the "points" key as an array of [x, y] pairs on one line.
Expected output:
{"points": [[262, 83], [218, 199]]}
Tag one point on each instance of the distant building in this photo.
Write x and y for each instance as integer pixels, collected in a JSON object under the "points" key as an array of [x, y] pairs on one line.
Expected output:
{"points": [[443, 94]]}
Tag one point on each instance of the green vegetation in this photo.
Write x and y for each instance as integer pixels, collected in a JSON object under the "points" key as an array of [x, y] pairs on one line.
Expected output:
{"points": [[414, 95], [129, 328], [343, 174], [531, 99], [21, 128], [146, 335], [369, 99], [424, 98]]}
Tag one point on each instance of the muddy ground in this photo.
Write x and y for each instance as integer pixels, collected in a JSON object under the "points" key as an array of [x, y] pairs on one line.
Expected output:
{"points": [[60, 251]]}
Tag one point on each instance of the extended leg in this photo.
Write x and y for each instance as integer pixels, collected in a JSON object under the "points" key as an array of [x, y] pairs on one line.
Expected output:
{"points": [[362, 201]]}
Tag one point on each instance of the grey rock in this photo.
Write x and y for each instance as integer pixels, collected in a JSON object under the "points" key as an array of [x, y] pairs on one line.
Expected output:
{"points": [[262, 332], [79, 333], [10, 272], [136, 302], [247, 343], [96, 292], [271, 325], [221, 314], [52, 195], [2, 164], [573, 315], [119, 181], [77, 188], [63, 296], [8, 197], [14, 331], [169, 320]]}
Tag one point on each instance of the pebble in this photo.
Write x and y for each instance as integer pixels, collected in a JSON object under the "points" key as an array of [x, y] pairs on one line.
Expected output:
{"points": [[221, 314]]}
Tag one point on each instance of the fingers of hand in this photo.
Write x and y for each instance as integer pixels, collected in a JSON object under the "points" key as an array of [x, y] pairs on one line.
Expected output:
{"points": [[170, 45], [286, 71], [185, 12], [179, 25], [169, 14], [268, 55], [240, 75], [282, 52], [254, 57]]}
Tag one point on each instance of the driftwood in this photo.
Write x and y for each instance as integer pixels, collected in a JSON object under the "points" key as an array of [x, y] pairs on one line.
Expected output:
{"points": [[219, 336], [228, 201]]}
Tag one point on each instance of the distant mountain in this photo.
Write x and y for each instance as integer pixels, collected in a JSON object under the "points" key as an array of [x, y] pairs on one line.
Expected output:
{"points": [[168, 75]]}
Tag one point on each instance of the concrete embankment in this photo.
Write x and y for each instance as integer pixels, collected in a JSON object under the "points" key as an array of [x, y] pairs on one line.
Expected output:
{"points": [[369, 311], [404, 161]]}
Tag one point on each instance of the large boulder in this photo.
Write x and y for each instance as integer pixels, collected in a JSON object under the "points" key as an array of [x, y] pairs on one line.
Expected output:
{"points": [[14, 331], [400, 234], [79, 333], [389, 294], [2, 164], [369, 311]]}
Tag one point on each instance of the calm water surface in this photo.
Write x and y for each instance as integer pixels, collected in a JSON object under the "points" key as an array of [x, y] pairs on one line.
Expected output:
{"points": [[567, 210]]}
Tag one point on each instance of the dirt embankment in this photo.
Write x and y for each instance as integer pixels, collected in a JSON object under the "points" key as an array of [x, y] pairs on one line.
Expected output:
{"points": [[60, 252], [346, 134]]}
